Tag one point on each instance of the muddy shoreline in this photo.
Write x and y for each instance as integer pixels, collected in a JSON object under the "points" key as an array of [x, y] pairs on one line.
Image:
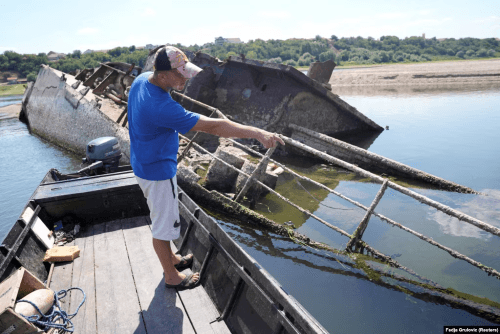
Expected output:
{"points": [[476, 72], [13, 109]]}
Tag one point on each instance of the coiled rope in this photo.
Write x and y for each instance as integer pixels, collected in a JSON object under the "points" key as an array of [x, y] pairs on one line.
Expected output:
{"points": [[51, 319]]}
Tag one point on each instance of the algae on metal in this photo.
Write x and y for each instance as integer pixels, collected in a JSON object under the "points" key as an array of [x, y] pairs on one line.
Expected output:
{"points": [[479, 306], [202, 173], [279, 211], [394, 279], [328, 175]]}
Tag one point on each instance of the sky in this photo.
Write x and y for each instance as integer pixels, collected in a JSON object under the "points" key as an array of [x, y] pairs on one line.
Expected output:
{"points": [[65, 26]]}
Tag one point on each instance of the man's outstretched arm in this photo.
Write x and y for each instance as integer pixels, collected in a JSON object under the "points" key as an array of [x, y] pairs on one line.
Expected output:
{"points": [[228, 129]]}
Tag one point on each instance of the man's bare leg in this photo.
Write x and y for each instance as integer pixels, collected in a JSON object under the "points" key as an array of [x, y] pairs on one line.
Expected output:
{"points": [[167, 258]]}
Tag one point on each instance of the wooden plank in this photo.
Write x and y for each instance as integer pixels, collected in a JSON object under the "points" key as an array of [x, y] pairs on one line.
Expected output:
{"points": [[83, 277], [19, 240], [61, 279], [202, 311], [77, 190], [83, 185], [199, 306], [161, 308], [91, 179], [117, 304]]}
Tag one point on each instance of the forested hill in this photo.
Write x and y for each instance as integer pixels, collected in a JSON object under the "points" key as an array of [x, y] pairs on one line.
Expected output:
{"points": [[294, 52], [359, 50], [28, 65]]}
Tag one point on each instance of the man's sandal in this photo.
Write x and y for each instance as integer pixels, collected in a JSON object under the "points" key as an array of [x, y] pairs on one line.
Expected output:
{"points": [[184, 263], [187, 283]]}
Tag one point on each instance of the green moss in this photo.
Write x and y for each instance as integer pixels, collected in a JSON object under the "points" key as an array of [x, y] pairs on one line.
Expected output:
{"points": [[276, 209], [216, 214], [12, 90], [252, 159], [476, 299], [409, 183], [203, 174], [372, 274]]}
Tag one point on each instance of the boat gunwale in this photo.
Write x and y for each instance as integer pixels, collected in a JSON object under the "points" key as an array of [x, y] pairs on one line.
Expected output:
{"points": [[263, 279]]}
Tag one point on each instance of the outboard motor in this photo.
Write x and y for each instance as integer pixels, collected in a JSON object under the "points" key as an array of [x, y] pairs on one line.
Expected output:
{"points": [[103, 156]]}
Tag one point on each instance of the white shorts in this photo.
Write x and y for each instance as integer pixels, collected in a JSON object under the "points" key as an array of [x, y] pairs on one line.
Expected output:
{"points": [[163, 206]]}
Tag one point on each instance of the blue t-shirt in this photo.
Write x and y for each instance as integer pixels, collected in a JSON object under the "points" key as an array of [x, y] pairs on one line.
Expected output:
{"points": [[154, 122]]}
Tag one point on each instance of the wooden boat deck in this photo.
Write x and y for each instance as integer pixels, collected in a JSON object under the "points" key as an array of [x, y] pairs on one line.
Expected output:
{"points": [[124, 285]]}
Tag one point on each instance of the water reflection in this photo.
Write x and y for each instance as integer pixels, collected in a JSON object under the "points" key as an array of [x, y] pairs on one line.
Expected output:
{"points": [[483, 207], [8, 100], [367, 281], [360, 139], [451, 132], [24, 161]]}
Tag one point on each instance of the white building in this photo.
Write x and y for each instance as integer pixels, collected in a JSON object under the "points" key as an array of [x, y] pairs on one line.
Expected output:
{"points": [[55, 56], [221, 40]]}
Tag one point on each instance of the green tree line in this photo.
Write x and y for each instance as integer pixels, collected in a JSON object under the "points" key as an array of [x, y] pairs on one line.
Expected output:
{"points": [[359, 50], [412, 49], [29, 65], [24, 64], [294, 52]]}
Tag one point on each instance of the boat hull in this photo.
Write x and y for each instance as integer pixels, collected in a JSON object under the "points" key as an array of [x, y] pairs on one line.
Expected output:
{"points": [[247, 297]]}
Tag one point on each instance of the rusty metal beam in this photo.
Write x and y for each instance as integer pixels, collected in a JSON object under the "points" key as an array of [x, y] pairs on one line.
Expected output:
{"points": [[97, 74], [107, 81]]}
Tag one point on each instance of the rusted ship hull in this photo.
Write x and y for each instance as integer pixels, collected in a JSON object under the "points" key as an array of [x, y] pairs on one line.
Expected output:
{"points": [[67, 116], [271, 97], [72, 112]]}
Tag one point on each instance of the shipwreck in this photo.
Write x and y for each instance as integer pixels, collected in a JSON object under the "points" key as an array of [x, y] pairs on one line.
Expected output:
{"points": [[73, 110]]}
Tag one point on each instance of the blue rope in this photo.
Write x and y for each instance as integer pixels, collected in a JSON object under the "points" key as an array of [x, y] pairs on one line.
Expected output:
{"points": [[55, 313]]}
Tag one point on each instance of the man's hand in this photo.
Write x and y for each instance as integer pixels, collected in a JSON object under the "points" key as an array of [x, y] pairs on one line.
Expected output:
{"points": [[269, 139], [226, 128]]}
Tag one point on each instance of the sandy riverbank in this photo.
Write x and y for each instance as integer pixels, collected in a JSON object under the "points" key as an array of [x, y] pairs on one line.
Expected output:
{"points": [[13, 109], [483, 72]]}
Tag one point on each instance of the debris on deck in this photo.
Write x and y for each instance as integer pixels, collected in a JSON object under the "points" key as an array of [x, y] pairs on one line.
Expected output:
{"points": [[62, 254]]}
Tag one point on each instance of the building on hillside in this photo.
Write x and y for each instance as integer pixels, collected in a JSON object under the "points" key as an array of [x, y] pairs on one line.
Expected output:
{"points": [[88, 51], [221, 40], [55, 56], [12, 80]]}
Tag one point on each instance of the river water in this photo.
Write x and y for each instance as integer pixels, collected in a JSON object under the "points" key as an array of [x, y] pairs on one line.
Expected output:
{"points": [[452, 133], [24, 161]]}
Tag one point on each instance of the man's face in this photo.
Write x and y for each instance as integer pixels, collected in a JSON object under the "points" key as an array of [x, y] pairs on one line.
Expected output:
{"points": [[175, 79]]}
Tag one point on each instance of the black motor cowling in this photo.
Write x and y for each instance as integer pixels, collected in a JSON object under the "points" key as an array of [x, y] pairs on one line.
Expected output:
{"points": [[103, 154]]}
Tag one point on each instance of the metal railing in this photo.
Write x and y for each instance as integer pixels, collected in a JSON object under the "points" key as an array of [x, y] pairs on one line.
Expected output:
{"points": [[355, 243]]}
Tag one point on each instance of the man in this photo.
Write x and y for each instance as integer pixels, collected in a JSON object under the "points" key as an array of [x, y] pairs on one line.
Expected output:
{"points": [[154, 122]]}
